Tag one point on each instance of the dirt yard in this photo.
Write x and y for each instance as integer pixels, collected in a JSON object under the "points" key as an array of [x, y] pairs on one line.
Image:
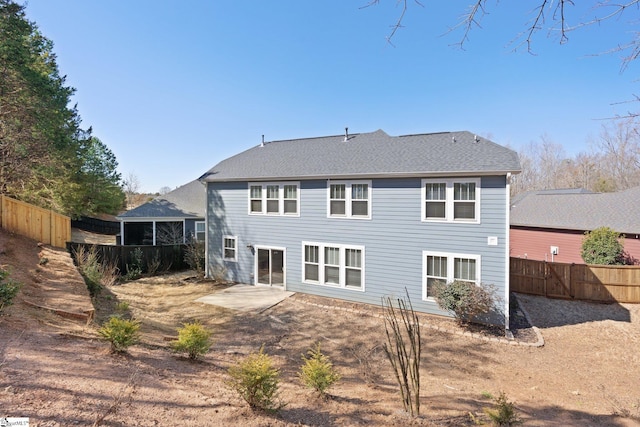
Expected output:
{"points": [[57, 372]]}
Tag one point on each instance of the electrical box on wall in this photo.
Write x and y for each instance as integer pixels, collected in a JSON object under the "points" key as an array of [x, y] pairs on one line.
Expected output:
{"points": [[554, 250]]}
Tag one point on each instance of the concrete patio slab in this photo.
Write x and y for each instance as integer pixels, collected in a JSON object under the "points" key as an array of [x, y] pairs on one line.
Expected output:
{"points": [[247, 297]]}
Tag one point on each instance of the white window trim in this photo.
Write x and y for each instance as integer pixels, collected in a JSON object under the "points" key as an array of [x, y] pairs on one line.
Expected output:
{"points": [[342, 274], [449, 200], [195, 230], [450, 268], [281, 198], [348, 199], [235, 239]]}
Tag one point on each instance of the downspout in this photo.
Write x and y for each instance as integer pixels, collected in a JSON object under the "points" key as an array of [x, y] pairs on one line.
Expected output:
{"points": [[153, 223], [507, 252], [122, 233], [206, 230]]}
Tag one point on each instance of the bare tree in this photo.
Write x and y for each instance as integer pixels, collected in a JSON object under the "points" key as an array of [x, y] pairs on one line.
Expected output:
{"points": [[131, 188], [164, 190], [618, 155], [554, 17]]}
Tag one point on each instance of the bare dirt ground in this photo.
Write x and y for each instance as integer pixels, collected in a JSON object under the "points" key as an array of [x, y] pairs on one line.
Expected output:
{"points": [[57, 372]]}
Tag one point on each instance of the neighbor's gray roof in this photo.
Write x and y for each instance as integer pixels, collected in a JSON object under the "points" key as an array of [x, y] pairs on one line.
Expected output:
{"points": [[188, 201], [373, 154], [581, 211]]}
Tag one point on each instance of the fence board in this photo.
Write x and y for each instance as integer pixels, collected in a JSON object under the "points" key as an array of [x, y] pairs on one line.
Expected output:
{"points": [[34, 222], [159, 257], [600, 283]]}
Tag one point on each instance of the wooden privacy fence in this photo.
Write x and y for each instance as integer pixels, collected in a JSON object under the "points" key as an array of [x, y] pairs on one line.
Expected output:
{"points": [[159, 257], [36, 223], [601, 283]]}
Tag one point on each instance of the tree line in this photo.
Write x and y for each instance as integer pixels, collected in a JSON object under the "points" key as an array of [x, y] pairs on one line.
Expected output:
{"points": [[611, 162], [46, 157]]}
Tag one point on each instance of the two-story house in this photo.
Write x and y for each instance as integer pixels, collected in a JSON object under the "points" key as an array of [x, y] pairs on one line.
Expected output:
{"points": [[363, 216]]}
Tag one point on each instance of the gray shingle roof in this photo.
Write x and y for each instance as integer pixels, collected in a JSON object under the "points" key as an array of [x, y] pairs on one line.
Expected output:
{"points": [[187, 201], [374, 154], [584, 211]]}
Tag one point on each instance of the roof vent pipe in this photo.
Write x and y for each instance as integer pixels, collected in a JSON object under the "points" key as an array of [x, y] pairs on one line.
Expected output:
{"points": [[346, 134], [262, 143], [476, 138], [453, 139]]}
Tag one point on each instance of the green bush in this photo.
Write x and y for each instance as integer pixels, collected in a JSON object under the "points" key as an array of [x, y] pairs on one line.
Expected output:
{"points": [[317, 371], [602, 246], [465, 300], [256, 380], [504, 412], [121, 333], [134, 270], [193, 339], [8, 289]]}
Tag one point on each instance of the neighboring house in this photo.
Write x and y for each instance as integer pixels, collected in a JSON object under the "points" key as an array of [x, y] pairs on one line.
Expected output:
{"points": [[550, 224], [170, 218], [364, 216]]}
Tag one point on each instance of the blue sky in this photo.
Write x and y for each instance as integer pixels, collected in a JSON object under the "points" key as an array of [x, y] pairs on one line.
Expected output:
{"points": [[175, 87]]}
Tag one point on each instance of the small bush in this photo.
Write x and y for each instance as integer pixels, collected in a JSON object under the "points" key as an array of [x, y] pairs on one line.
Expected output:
{"points": [[194, 256], [90, 269], [317, 371], [122, 307], [603, 246], [504, 412], [465, 300], [134, 270], [256, 381], [193, 339], [8, 289], [121, 333]]}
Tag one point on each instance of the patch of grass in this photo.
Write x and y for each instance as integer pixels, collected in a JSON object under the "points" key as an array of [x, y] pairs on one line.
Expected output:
{"points": [[8, 289]]}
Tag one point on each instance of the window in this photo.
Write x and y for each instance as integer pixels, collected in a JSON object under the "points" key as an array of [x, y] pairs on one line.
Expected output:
{"points": [[350, 199], [451, 200], [447, 267], [255, 202], [200, 231], [333, 265], [230, 248], [311, 263], [290, 199], [274, 198]]}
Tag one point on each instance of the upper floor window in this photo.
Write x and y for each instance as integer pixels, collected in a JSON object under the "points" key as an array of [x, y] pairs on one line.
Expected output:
{"points": [[447, 267], [349, 199], [451, 200], [200, 231], [274, 198], [333, 265]]}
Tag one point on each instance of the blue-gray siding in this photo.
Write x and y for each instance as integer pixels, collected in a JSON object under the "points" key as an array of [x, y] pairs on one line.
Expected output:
{"points": [[394, 238]]}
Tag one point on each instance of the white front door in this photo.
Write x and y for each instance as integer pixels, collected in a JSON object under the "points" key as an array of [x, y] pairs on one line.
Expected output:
{"points": [[270, 266]]}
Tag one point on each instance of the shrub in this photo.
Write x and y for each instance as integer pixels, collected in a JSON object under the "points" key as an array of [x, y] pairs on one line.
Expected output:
{"points": [[8, 289], [95, 274], [317, 371], [134, 270], [193, 339], [465, 300], [194, 256], [121, 333], [504, 412], [602, 246], [403, 349], [256, 380]]}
